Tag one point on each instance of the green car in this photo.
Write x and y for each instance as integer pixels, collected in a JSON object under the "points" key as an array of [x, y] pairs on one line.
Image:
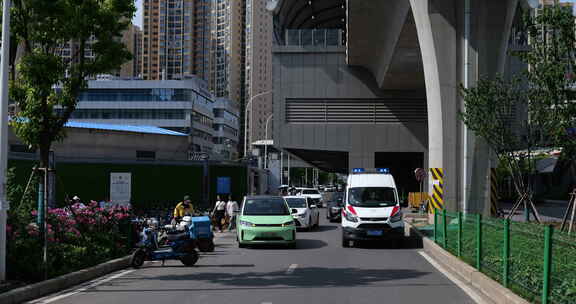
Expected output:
{"points": [[265, 220]]}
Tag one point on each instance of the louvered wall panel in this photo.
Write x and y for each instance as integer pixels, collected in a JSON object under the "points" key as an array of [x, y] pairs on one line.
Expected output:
{"points": [[364, 111]]}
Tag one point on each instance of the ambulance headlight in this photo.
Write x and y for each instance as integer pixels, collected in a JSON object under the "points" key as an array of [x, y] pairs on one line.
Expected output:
{"points": [[349, 216]]}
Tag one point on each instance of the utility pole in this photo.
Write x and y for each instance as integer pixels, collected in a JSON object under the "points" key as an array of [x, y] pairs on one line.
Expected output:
{"points": [[4, 205], [248, 141], [281, 168], [288, 169]]}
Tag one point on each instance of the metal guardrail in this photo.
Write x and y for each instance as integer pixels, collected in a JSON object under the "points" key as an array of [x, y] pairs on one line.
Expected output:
{"points": [[535, 261]]}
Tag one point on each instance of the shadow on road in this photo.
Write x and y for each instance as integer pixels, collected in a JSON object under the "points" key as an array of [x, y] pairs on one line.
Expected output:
{"points": [[203, 266], [300, 244], [303, 277], [323, 228], [406, 243]]}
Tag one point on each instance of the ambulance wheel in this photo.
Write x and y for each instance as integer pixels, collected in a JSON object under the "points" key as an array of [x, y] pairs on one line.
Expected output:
{"points": [[138, 257], [190, 259], [345, 241]]}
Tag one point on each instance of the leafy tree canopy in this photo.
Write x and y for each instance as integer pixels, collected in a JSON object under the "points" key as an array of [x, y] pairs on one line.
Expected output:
{"points": [[61, 43]]}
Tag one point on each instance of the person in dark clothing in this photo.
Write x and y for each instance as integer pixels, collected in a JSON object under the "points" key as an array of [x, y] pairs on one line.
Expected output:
{"points": [[219, 212]]}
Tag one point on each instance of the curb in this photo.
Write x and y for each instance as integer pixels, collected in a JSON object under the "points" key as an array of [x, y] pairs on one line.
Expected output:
{"points": [[43, 288], [488, 288]]}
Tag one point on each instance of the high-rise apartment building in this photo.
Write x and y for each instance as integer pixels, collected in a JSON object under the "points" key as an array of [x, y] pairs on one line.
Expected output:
{"points": [[226, 50], [132, 38], [258, 82], [137, 62], [176, 39]]}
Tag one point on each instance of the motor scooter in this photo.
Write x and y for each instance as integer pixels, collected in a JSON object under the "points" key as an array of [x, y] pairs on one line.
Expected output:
{"points": [[181, 245]]}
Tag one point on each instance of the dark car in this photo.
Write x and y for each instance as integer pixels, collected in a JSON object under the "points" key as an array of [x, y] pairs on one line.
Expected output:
{"points": [[334, 207]]}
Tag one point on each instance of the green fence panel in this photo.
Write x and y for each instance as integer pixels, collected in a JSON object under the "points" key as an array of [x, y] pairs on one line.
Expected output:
{"points": [[460, 234], [469, 239], [492, 243], [444, 229], [526, 258], [478, 241], [538, 265], [506, 254], [563, 268], [547, 264], [435, 227]]}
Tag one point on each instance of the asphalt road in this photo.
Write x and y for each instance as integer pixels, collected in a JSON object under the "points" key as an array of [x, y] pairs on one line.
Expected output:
{"points": [[319, 271]]}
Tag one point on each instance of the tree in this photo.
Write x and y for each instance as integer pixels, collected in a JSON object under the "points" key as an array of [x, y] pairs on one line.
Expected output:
{"points": [[47, 82], [547, 99]]}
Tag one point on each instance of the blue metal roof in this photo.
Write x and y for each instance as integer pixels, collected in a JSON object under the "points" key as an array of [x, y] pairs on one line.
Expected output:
{"points": [[124, 128]]}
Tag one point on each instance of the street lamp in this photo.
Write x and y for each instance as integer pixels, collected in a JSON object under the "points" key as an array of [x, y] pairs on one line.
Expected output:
{"points": [[248, 106], [266, 143], [4, 133]]}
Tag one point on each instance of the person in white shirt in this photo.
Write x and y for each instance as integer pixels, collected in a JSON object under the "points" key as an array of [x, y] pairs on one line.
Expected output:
{"points": [[219, 212], [231, 210]]}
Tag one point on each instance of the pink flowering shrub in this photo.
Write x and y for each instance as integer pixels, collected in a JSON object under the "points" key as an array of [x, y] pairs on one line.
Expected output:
{"points": [[79, 237]]}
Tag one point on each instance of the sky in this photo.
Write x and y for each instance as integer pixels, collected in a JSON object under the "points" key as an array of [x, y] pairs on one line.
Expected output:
{"points": [[138, 17], [573, 1]]}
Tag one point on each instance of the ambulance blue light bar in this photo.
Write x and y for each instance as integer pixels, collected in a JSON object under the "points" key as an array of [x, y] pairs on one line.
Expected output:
{"points": [[383, 170], [358, 170]]}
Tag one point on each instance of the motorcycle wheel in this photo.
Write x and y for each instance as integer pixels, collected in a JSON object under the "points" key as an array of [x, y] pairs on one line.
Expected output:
{"points": [[190, 259], [206, 245], [138, 258]]}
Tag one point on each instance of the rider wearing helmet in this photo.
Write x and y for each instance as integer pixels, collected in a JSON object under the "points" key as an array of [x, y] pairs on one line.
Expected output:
{"points": [[183, 208]]}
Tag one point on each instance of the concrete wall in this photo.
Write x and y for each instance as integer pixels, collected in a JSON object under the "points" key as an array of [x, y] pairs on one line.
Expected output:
{"points": [[323, 73]]}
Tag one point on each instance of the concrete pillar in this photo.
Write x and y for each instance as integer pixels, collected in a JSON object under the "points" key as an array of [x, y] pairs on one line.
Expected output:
{"points": [[440, 28], [492, 24], [435, 23]]}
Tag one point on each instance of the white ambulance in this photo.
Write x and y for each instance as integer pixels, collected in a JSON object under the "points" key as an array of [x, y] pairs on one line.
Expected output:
{"points": [[372, 209]]}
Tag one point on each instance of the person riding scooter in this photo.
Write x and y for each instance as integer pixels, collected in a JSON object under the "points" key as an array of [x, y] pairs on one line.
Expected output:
{"points": [[183, 208]]}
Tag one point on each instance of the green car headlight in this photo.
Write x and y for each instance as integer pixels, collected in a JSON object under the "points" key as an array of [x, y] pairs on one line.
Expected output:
{"points": [[246, 224], [287, 224]]}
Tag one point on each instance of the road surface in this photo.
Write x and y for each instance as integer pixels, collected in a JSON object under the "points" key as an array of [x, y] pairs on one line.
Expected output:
{"points": [[319, 271]]}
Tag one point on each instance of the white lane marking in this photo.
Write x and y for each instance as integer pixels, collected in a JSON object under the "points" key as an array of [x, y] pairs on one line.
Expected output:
{"points": [[266, 303], [473, 294], [291, 268], [92, 284]]}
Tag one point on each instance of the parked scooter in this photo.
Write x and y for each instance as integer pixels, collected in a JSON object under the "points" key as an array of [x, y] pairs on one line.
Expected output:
{"points": [[181, 244]]}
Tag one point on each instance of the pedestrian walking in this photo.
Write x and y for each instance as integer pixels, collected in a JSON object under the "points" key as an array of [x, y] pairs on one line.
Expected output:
{"points": [[231, 211], [219, 212]]}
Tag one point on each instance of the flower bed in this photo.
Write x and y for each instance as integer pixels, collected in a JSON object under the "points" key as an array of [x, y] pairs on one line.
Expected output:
{"points": [[78, 237]]}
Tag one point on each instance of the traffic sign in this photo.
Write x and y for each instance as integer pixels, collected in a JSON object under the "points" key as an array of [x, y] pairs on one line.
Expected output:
{"points": [[198, 156], [420, 174]]}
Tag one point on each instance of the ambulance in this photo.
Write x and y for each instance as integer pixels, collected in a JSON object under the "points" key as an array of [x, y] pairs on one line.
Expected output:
{"points": [[372, 209]]}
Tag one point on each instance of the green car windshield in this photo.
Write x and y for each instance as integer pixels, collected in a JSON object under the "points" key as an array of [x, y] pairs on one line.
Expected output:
{"points": [[372, 197], [265, 207]]}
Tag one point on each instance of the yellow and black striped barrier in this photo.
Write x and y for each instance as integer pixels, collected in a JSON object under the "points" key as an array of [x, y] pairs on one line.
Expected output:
{"points": [[494, 192], [437, 197]]}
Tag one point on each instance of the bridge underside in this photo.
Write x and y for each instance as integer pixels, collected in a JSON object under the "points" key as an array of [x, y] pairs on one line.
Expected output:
{"points": [[394, 49]]}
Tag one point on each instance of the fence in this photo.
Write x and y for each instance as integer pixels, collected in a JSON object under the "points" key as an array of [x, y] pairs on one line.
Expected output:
{"points": [[535, 261]]}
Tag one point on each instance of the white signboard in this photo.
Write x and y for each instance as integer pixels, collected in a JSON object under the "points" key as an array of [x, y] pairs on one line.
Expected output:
{"points": [[120, 187]]}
